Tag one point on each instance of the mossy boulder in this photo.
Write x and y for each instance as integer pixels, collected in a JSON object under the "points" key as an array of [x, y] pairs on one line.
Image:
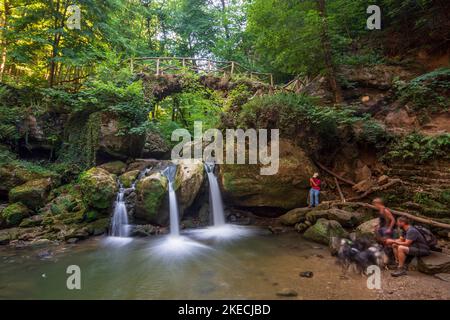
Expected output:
{"points": [[128, 178], [32, 221], [98, 188], [32, 193], [294, 216], [244, 186], [150, 193], [114, 167], [367, 229], [66, 203], [16, 173], [13, 214], [98, 227], [323, 230], [188, 181]]}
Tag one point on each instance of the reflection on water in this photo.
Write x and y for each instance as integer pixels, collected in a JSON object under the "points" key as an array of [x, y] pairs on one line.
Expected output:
{"points": [[255, 266]]}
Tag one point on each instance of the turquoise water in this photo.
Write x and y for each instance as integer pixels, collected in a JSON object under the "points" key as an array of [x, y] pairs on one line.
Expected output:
{"points": [[252, 265]]}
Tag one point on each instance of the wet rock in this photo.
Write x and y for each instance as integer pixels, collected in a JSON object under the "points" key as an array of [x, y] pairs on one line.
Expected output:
{"points": [[128, 178], [143, 230], [72, 240], [244, 186], [188, 181], [306, 274], [294, 216], [32, 221], [32, 193], [323, 230], [98, 227], [301, 227], [13, 214], [98, 188], [114, 167], [286, 292], [150, 193], [435, 263]]}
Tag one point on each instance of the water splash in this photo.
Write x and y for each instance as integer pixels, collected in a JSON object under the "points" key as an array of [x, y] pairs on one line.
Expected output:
{"points": [[170, 173], [224, 233], [215, 197]]}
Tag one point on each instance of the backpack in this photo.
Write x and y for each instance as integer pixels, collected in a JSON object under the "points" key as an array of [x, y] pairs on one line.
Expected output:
{"points": [[429, 237]]}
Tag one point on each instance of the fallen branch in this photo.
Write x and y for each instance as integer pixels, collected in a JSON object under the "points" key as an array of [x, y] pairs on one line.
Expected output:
{"points": [[408, 215], [321, 166], [339, 189], [375, 189]]}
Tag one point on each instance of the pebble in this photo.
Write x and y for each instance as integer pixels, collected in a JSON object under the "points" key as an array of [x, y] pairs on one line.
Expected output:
{"points": [[287, 293], [307, 274]]}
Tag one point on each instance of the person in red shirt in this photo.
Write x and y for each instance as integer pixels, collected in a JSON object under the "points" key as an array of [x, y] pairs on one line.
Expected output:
{"points": [[315, 190]]}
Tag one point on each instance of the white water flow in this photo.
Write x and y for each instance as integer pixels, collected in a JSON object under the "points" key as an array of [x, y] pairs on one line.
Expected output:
{"points": [[215, 197], [170, 173], [119, 226]]}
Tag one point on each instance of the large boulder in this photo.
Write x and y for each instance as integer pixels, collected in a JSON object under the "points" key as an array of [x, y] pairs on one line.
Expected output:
{"points": [[66, 205], [113, 144], [155, 146], [13, 214], [32, 193], [244, 186], [98, 188], [436, 262], [150, 194], [13, 174], [188, 181], [323, 230], [367, 229], [128, 178], [294, 216], [114, 167]]}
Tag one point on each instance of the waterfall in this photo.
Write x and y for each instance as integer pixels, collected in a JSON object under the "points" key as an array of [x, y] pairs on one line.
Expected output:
{"points": [[170, 173], [119, 226], [215, 197]]}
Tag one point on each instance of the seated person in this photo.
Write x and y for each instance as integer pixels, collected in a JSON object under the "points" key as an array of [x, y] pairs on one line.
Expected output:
{"points": [[385, 227], [412, 244]]}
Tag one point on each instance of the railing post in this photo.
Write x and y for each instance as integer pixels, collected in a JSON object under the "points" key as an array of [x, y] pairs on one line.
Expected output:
{"points": [[157, 67], [232, 67], [209, 66], [184, 62], [131, 65], [271, 80]]}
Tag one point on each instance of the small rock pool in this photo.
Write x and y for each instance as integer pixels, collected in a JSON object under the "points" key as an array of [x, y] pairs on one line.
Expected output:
{"points": [[248, 263]]}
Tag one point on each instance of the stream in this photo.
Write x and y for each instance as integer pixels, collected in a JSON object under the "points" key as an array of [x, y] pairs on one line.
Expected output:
{"points": [[251, 264]]}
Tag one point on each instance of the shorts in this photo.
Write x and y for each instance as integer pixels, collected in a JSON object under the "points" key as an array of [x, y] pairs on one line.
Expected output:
{"points": [[418, 252], [382, 232]]}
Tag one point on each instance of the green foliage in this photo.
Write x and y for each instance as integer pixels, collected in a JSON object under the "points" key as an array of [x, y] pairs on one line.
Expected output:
{"points": [[417, 148], [429, 91]]}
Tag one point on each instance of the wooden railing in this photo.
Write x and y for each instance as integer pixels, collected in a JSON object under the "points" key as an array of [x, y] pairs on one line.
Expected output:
{"points": [[165, 65]]}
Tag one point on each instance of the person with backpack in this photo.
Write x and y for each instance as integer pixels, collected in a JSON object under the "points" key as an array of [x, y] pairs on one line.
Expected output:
{"points": [[413, 243]]}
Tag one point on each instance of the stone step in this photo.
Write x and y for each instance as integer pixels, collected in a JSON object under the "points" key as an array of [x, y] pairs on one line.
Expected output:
{"points": [[443, 167]]}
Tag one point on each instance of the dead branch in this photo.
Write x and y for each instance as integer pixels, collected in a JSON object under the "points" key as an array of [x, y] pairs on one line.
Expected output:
{"points": [[339, 189], [321, 166], [375, 189]]}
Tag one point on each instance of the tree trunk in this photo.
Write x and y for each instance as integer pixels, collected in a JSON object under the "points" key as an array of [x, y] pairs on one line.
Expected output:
{"points": [[330, 68], [4, 42]]}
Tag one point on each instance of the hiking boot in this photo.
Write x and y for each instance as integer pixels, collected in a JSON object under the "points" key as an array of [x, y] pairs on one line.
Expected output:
{"points": [[399, 272]]}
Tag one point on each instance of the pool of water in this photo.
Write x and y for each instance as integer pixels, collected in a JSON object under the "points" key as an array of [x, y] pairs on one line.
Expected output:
{"points": [[246, 263]]}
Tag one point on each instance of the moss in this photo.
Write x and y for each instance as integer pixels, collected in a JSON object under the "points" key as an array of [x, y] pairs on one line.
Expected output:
{"points": [[98, 187], [14, 214], [114, 167], [91, 215], [323, 230], [32, 193], [128, 178], [150, 194]]}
